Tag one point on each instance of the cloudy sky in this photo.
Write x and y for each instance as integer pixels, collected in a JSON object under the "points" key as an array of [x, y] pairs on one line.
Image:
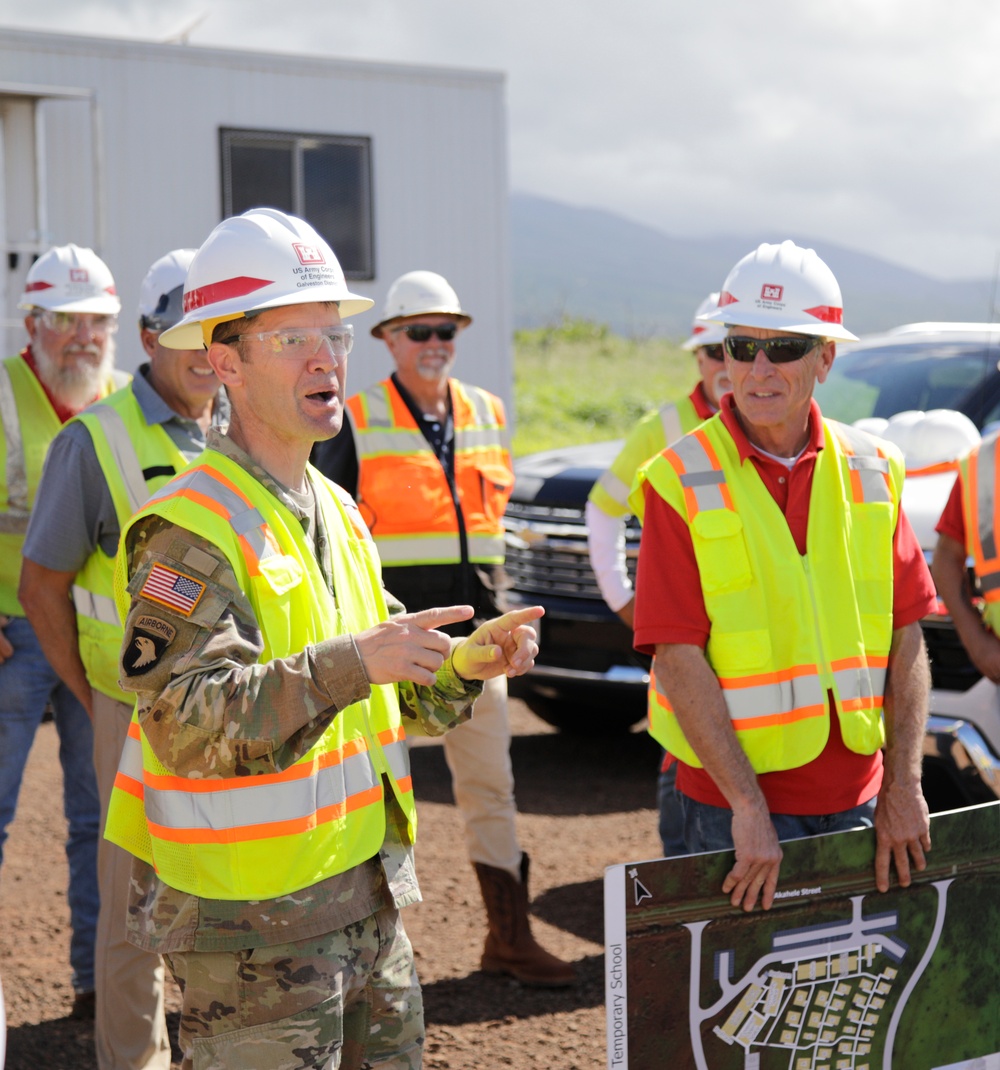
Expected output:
{"points": [[872, 123]]}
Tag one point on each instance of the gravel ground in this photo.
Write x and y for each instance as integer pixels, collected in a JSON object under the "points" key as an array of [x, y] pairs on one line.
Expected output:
{"points": [[584, 804]]}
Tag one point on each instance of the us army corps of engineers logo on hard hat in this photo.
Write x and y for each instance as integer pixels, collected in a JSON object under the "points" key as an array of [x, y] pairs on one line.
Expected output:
{"points": [[150, 637]]}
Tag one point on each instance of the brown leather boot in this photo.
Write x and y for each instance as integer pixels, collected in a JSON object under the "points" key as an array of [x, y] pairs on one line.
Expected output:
{"points": [[510, 948]]}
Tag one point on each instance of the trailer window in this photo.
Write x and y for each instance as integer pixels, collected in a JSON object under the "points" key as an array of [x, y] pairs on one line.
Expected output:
{"points": [[325, 179]]}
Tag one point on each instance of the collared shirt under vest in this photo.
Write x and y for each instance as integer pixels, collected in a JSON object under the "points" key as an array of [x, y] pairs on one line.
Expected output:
{"points": [[786, 629], [416, 516], [29, 424]]}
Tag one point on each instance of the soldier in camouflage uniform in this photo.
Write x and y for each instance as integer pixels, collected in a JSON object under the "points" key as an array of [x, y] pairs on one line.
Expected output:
{"points": [[322, 975]]}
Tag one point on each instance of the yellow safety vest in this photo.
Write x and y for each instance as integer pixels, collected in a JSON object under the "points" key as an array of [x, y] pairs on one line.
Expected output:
{"points": [[259, 837], [787, 629], [979, 499], [29, 426], [403, 492], [136, 458]]}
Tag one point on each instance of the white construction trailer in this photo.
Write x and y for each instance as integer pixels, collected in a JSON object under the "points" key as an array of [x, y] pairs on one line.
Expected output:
{"points": [[135, 148]]}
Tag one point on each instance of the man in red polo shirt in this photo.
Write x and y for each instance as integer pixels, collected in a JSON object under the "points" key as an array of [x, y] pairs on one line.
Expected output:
{"points": [[786, 624]]}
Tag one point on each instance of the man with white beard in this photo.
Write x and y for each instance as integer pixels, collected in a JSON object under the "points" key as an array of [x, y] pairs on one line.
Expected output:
{"points": [[72, 315]]}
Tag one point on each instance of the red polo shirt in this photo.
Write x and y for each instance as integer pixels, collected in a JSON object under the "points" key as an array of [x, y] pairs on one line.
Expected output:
{"points": [[670, 608]]}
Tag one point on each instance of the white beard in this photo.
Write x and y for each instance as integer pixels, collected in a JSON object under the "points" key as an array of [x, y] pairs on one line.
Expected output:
{"points": [[75, 385]]}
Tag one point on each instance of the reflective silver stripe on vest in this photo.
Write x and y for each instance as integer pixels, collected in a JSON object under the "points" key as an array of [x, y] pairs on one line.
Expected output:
{"points": [[240, 802], [245, 519], [123, 451], [14, 518], [862, 683], [614, 487], [95, 606], [398, 758], [773, 699], [130, 763], [670, 418], [700, 475], [986, 478], [864, 459]]}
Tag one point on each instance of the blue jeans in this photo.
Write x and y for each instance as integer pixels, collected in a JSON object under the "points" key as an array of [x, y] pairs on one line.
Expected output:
{"points": [[710, 828], [27, 684], [671, 822]]}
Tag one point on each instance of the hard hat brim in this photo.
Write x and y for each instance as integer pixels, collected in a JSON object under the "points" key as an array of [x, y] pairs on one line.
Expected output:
{"points": [[187, 333], [100, 306], [712, 334], [463, 318], [735, 316]]}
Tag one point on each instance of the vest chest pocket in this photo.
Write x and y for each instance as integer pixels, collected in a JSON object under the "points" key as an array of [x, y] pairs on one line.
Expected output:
{"points": [[721, 551], [282, 573]]}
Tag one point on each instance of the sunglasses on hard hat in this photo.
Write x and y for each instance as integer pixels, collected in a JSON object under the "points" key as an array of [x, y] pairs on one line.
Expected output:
{"points": [[777, 350], [713, 352], [421, 332]]}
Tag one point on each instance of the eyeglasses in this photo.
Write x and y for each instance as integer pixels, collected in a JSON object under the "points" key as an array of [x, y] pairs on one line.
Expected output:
{"points": [[70, 322], [713, 352], [421, 332], [777, 350], [301, 341]]}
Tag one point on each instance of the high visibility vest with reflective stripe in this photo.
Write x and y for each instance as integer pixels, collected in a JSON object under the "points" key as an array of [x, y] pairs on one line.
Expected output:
{"points": [[29, 426], [403, 492], [610, 492], [979, 505], [258, 837], [787, 629], [127, 448]]}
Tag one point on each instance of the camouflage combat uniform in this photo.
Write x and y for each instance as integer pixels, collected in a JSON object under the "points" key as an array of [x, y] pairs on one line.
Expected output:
{"points": [[284, 982]]}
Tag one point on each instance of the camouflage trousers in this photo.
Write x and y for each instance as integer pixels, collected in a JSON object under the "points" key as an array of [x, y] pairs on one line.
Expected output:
{"points": [[347, 1000]]}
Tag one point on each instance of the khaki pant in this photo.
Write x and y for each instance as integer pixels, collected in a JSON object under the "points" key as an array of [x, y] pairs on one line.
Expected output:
{"points": [[478, 755], [130, 1029]]}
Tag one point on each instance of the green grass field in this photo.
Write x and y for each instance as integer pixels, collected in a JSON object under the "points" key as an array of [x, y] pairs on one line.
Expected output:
{"points": [[578, 382]]}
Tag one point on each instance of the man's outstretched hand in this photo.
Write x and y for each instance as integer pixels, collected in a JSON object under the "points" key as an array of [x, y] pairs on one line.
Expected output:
{"points": [[503, 646]]}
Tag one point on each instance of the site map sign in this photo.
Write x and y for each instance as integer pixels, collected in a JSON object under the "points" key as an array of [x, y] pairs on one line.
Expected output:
{"points": [[836, 976]]}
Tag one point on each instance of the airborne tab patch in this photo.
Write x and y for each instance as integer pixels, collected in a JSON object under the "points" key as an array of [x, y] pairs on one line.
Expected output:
{"points": [[173, 589], [150, 637]]}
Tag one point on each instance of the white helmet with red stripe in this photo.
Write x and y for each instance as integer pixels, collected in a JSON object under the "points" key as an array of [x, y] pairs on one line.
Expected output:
{"points": [[705, 334], [261, 259], [784, 288], [69, 278]]}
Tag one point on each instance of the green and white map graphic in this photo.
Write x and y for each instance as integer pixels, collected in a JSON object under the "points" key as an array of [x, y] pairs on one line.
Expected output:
{"points": [[836, 976]]}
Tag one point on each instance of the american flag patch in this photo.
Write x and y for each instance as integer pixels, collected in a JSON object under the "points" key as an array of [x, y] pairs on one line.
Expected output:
{"points": [[172, 589]]}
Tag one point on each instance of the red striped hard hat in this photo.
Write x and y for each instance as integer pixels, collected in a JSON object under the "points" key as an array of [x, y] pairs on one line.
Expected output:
{"points": [[70, 278], [261, 259], [786, 288]]}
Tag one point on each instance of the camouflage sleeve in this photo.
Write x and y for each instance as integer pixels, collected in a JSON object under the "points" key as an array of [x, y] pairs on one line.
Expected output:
{"points": [[207, 705], [431, 711]]}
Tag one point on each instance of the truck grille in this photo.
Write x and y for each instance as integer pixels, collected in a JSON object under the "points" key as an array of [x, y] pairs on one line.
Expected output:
{"points": [[547, 550]]}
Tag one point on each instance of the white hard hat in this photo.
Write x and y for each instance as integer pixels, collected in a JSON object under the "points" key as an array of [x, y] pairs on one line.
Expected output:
{"points": [[420, 293], [933, 437], [161, 296], [69, 278], [705, 334], [786, 288], [261, 259]]}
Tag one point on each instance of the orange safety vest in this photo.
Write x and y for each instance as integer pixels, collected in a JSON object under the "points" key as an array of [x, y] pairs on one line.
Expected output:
{"points": [[415, 516]]}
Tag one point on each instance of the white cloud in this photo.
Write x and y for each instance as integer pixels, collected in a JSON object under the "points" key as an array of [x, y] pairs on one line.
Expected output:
{"points": [[873, 123]]}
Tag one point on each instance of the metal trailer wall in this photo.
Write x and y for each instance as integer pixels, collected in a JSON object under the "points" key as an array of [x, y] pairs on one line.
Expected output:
{"points": [[132, 165]]}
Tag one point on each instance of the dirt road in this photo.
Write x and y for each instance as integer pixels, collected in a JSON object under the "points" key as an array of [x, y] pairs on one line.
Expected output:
{"points": [[584, 804]]}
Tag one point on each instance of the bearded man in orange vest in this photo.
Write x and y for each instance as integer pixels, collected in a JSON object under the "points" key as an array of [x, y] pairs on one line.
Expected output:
{"points": [[428, 462]]}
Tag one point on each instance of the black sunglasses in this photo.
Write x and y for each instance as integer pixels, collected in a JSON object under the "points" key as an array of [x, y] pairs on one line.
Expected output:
{"points": [[777, 350], [421, 332], [713, 352]]}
